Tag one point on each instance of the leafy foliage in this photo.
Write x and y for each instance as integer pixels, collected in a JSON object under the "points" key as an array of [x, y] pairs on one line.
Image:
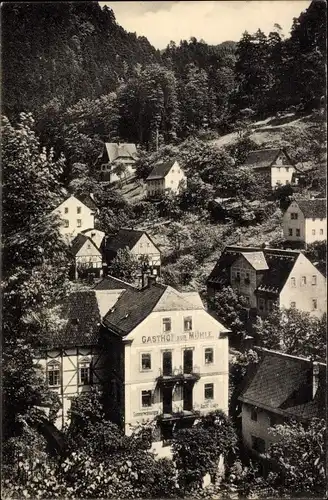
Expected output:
{"points": [[124, 265], [293, 332]]}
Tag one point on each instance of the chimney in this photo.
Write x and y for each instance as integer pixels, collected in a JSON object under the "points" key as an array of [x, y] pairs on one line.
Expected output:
{"points": [[315, 378], [151, 280]]}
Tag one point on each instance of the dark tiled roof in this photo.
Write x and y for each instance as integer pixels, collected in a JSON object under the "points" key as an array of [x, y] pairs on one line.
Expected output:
{"points": [[124, 238], [283, 383], [78, 243], [80, 321], [88, 201], [160, 170], [264, 157], [315, 208], [280, 264], [111, 283], [133, 306]]}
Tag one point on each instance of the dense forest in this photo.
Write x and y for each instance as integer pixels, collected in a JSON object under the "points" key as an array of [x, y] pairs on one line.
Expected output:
{"points": [[85, 79]]}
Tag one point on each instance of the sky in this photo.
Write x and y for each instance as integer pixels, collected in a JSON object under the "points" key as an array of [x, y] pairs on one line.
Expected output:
{"points": [[212, 21]]}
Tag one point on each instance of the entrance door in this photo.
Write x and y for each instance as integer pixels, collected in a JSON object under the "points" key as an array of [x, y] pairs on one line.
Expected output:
{"points": [[167, 399], [167, 363], [187, 361], [187, 397]]}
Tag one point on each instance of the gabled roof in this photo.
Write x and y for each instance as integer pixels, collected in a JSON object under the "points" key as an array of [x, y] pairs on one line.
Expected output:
{"points": [[283, 384], [134, 305], [116, 151], [78, 242], [262, 158], [256, 260], [88, 201], [161, 170], [123, 238], [112, 283], [279, 265], [315, 208]]}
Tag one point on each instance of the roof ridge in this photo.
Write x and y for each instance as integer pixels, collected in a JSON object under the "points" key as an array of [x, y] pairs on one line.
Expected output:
{"points": [[284, 354]]}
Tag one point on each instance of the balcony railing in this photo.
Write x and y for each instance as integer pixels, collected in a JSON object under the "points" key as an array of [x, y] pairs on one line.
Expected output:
{"points": [[180, 374], [178, 415]]}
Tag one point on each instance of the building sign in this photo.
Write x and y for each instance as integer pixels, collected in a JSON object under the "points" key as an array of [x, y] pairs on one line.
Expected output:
{"points": [[171, 337], [145, 413]]}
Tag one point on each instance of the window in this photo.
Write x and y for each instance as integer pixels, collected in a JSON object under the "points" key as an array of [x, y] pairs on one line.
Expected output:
{"points": [[314, 304], [247, 278], [278, 169], [294, 215], [313, 219], [313, 232], [187, 323], [270, 305], [209, 391], [293, 282], [298, 232], [53, 374], [145, 399], [293, 305], [209, 355], [254, 414], [287, 169], [261, 304], [258, 444], [79, 222], [78, 210], [321, 231], [84, 373], [303, 280], [287, 182], [146, 361], [166, 324], [66, 210], [237, 275], [314, 280], [66, 223], [290, 232]]}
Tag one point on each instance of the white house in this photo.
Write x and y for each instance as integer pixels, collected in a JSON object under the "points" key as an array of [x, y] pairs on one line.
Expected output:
{"points": [[274, 165], [268, 276], [305, 221], [165, 176], [87, 257], [96, 236], [167, 359], [77, 214], [114, 154]]}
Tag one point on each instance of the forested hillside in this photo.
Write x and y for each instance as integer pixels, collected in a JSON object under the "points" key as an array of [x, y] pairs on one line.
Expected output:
{"points": [[84, 77]]}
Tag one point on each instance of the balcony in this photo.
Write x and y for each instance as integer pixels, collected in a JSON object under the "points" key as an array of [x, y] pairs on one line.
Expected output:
{"points": [[178, 415], [178, 375]]}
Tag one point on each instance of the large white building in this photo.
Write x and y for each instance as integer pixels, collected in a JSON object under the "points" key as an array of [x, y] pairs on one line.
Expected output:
{"points": [[156, 353], [114, 154], [76, 214], [305, 221]]}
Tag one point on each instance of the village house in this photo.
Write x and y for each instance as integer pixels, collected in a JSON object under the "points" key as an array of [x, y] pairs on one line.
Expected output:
{"points": [[140, 245], [155, 352], [281, 387], [76, 214], [87, 257], [167, 359], [305, 221], [268, 276], [115, 154], [73, 358], [163, 177], [274, 165]]}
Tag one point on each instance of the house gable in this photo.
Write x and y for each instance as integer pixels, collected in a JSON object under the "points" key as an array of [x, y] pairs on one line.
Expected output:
{"points": [[88, 249], [304, 285], [145, 245]]}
